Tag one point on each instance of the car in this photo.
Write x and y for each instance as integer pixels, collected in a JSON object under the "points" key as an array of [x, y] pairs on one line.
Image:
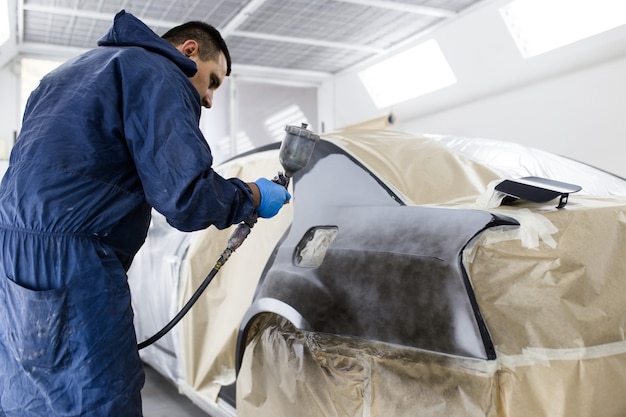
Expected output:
{"points": [[408, 276]]}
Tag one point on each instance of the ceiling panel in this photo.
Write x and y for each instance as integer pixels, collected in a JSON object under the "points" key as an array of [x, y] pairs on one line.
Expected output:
{"points": [[290, 56], [336, 21], [323, 36], [453, 5]]}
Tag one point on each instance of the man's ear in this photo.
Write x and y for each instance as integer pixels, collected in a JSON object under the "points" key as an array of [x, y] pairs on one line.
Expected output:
{"points": [[189, 48]]}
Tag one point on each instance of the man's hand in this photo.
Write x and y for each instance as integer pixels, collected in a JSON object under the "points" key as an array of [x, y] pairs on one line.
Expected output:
{"points": [[271, 196]]}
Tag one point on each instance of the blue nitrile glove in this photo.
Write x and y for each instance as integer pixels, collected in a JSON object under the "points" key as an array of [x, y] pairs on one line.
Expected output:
{"points": [[273, 196]]}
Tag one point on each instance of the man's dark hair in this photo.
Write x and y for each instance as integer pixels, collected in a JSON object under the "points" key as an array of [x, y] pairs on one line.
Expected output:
{"points": [[209, 39]]}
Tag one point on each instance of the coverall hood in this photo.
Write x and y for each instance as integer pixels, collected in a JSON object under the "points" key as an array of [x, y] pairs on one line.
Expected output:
{"points": [[127, 30]]}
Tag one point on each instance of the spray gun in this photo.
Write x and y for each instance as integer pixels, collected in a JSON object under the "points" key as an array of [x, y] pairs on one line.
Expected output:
{"points": [[295, 152]]}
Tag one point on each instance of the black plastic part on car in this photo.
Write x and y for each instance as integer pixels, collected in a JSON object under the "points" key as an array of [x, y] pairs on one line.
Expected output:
{"points": [[536, 190], [228, 393], [393, 272]]}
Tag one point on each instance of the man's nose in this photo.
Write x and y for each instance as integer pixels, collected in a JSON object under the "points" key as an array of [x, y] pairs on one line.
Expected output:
{"points": [[207, 100]]}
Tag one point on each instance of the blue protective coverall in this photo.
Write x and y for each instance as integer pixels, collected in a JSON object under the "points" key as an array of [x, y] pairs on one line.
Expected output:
{"points": [[105, 137]]}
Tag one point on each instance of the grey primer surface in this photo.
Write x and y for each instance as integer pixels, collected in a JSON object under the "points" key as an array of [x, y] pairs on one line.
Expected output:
{"points": [[393, 273]]}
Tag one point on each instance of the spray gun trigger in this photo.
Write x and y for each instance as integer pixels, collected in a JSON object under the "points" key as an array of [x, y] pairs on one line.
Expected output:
{"points": [[281, 179]]}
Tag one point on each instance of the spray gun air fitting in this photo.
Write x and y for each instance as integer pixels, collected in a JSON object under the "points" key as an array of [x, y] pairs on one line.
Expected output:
{"points": [[295, 153]]}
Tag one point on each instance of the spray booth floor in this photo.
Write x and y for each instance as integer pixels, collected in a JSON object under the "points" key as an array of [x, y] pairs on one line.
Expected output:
{"points": [[161, 398]]}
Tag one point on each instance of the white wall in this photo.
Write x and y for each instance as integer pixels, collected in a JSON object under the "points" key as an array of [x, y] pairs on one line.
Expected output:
{"points": [[9, 108], [253, 102], [9, 48], [581, 115], [569, 101], [9, 86]]}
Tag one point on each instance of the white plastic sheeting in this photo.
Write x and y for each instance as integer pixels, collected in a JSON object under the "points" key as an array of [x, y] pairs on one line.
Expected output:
{"points": [[154, 280], [512, 160], [198, 354]]}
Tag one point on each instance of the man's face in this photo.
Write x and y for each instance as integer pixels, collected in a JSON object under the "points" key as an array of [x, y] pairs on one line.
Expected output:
{"points": [[209, 77]]}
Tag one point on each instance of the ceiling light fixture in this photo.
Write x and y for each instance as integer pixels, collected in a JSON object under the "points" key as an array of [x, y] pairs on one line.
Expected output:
{"points": [[539, 26]]}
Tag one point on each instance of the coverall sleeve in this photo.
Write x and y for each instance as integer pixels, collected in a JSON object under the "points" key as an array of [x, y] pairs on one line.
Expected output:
{"points": [[161, 113]]}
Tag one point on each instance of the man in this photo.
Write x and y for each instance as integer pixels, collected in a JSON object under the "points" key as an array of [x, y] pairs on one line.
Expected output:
{"points": [[105, 137]]}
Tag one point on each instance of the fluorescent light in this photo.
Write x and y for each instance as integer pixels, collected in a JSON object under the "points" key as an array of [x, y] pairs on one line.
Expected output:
{"points": [[540, 26], [412, 73], [5, 31]]}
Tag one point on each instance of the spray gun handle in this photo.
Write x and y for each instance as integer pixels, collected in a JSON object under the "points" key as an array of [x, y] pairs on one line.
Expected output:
{"points": [[240, 233], [243, 229]]}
